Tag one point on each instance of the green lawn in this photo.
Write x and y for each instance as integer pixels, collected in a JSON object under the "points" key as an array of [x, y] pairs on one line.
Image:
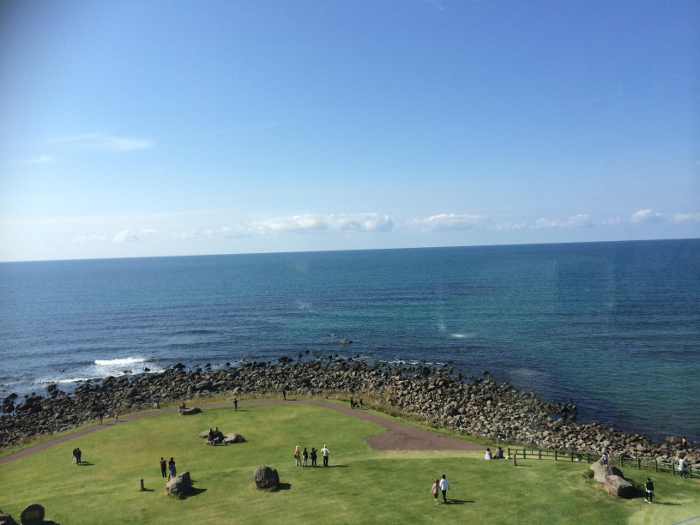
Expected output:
{"points": [[363, 486]]}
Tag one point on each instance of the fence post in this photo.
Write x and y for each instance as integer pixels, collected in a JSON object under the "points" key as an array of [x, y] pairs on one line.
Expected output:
{"points": [[673, 468], [572, 456], [622, 461], [639, 464], [588, 457], [524, 453], [509, 451], [555, 454], [540, 453], [656, 465]]}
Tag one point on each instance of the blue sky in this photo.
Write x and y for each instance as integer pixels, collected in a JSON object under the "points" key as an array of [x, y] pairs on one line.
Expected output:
{"points": [[176, 128]]}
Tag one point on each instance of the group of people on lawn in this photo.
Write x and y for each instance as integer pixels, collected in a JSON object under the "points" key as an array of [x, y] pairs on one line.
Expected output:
{"points": [[167, 469], [215, 437], [302, 458]]}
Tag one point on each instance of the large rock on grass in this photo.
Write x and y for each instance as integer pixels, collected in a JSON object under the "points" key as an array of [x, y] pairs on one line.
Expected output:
{"points": [[181, 484], [619, 486], [6, 519], [266, 477], [601, 472], [234, 438], [191, 411]]}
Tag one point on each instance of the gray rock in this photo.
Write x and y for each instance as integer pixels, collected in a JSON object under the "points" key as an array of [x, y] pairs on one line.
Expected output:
{"points": [[266, 477], [191, 411], [601, 472], [181, 484], [234, 438], [619, 486]]}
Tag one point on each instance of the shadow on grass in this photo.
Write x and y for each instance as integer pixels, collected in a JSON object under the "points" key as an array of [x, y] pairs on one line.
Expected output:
{"points": [[458, 501], [284, 486], [335, 466], [86, 464], [146, 490], [195, 492], [666, 503]]}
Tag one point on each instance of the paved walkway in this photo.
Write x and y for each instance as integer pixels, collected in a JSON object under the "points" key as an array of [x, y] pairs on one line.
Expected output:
{"points": [[397, 436]]}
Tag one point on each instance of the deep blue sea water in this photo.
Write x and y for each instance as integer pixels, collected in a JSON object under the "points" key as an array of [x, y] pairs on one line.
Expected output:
{"points": [[615, 326]]}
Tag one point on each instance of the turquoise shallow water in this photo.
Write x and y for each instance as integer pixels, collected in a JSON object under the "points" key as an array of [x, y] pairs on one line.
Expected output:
{"points": [[615, 326]]}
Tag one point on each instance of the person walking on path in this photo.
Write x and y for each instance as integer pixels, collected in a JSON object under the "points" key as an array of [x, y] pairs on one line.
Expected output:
{"points": [[101, 416], [313, 457], [352, 402], [297, 456], [305, 455], [172, 471], [284, 393], [325, 452], [649, 487], [436, 490], [681, 467], [163, 468], [235, 404], [116, 417], [444, 486]]}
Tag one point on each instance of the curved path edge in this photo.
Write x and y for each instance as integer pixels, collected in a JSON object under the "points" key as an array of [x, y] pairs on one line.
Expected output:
{"points": [[397, 436]]}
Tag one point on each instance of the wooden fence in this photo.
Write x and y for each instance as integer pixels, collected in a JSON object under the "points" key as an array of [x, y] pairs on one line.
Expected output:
{"points": [[588, 457]]}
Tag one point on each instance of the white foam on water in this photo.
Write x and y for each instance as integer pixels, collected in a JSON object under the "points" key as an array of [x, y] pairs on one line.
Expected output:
{"points": [[462, 336], [120, 362]]}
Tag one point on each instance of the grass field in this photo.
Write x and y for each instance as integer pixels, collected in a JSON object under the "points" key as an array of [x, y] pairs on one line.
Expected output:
{"points": [[362, 485]]}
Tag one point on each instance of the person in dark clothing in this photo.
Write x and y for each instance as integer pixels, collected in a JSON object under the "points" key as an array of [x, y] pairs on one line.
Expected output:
{"points": [[313, 456], [172, 471], [78, 455], [305, 457], [235, 405], [284, 393], [649, 487], [163, 468], [352, 402]]}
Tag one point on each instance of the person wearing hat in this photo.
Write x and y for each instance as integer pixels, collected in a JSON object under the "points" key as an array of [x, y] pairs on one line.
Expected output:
{"points": [[436, 490]]}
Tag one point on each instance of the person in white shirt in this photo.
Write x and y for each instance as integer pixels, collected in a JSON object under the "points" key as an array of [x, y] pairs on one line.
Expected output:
{"points": [[444, 485], [325, 452], [681, 467], [488, 454]]}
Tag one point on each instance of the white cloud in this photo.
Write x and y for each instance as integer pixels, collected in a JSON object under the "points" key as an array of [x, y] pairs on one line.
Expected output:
{"points": [[184, 236], [576, 220], [445, 222], [612, 221], [644, 216], [683, 217], [43, 159], [102, 142], [125, 236], [509, 226], [309, 223], [88, 239]]}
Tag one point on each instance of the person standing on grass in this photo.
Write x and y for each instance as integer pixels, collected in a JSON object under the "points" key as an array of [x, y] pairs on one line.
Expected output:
{"points": [[163, 468], [116, 417], [305, 455], [297, 456], [74, 459], [444, 486], [352, 402], [284, 393], [172, 471], [235, 404], [313, 457], [681, 467], [649, 487], [325, 452], [436, 490]]}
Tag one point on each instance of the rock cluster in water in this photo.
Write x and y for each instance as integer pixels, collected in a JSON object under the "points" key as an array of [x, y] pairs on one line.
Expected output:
{"points": [[475, 406]]}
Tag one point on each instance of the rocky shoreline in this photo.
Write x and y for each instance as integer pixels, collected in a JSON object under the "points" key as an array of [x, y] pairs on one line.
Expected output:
{"points": [[472, 406]]}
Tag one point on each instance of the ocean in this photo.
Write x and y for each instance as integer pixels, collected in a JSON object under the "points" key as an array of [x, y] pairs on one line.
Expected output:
{"points": [[614, 326]]}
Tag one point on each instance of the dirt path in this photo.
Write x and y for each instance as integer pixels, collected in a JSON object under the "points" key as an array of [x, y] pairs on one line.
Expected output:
{"points": [[397, 436]]}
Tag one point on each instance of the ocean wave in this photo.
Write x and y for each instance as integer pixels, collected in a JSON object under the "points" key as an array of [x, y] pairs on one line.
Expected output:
{"points": [[462, 336], [121, 361]]}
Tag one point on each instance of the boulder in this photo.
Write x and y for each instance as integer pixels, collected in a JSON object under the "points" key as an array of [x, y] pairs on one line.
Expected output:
{"points": [[204, 434], [601, 472], [32, 515], [179, 366], [181, 484], [266, 477], [191, 411], [619, 486], [234, 438], [6, 519]]}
